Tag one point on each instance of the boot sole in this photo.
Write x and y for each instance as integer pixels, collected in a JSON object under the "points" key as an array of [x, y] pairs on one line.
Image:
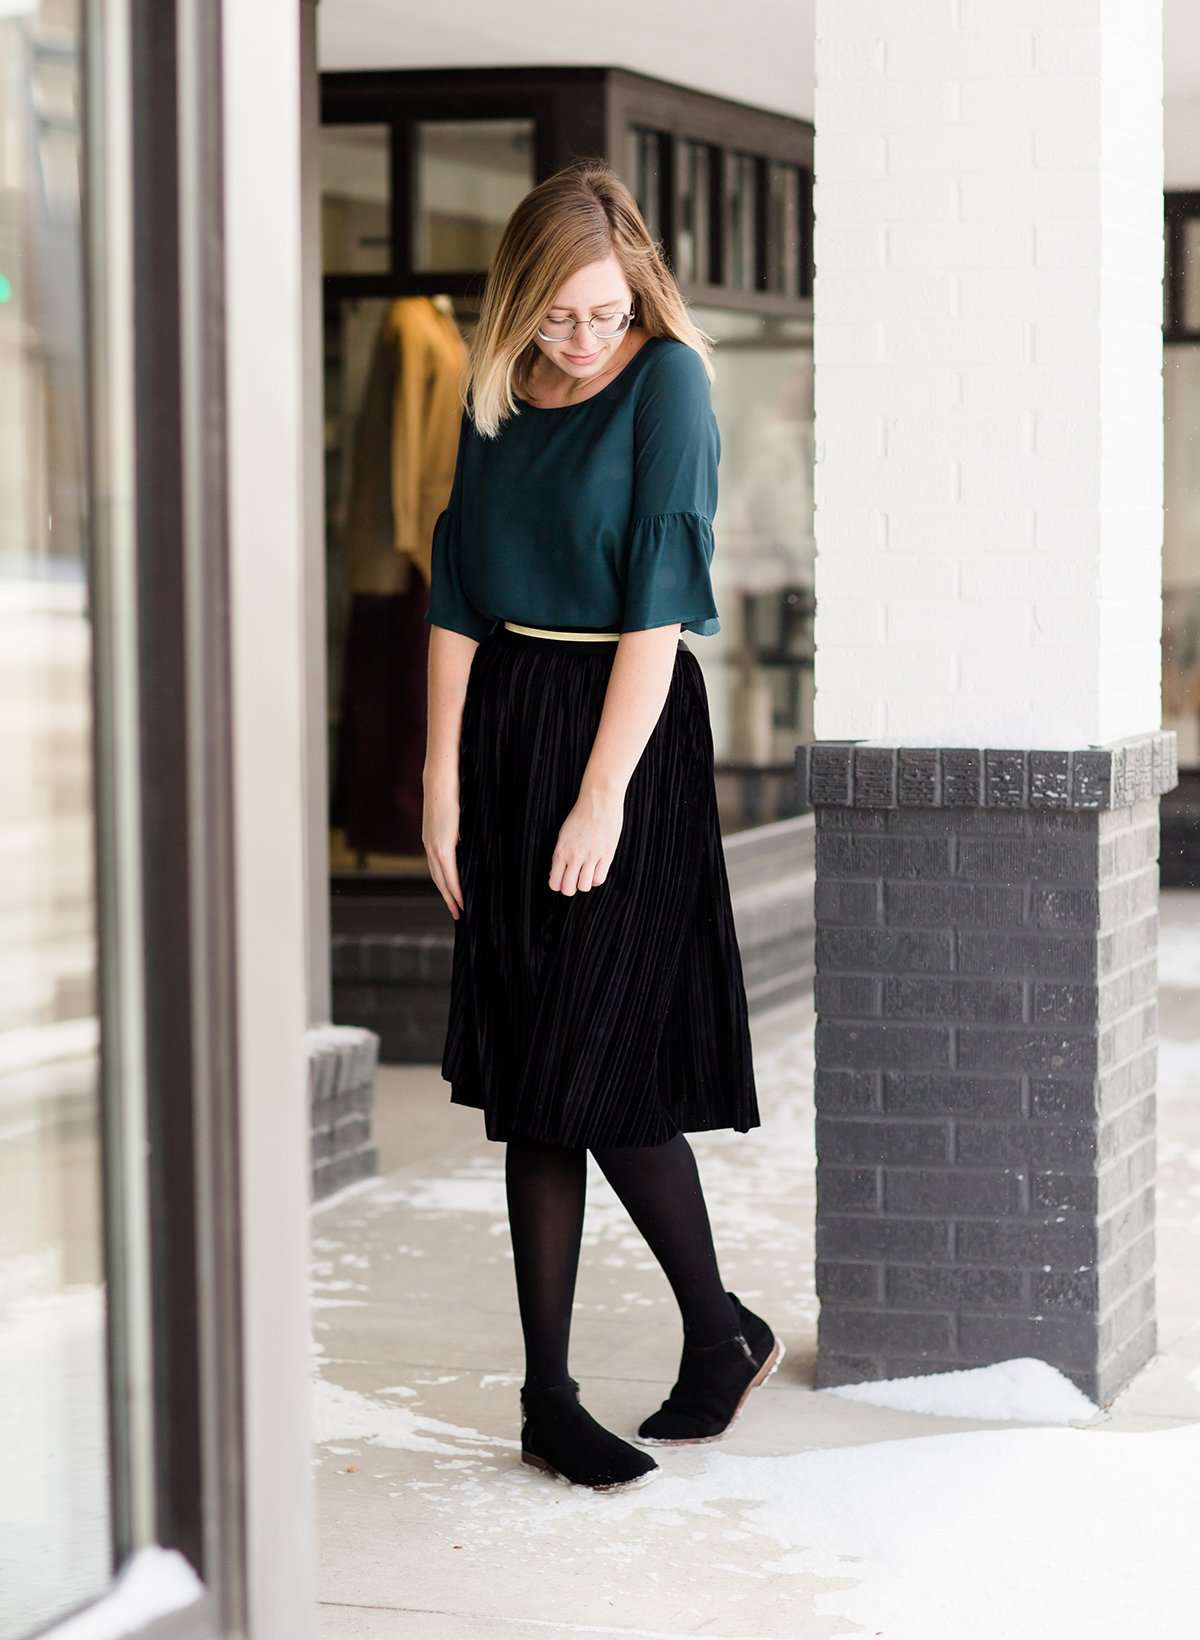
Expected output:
{"points": [[540, 1464], [764, 1372]]}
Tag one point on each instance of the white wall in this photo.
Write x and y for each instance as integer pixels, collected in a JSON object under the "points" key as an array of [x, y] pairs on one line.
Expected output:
{"points": [[266, 398], [988, 372]]}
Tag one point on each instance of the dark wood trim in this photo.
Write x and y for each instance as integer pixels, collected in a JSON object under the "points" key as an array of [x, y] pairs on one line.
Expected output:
{"points": [[163, 750], [578, 112], [761, 228], [1180, 206], [807, 233]]}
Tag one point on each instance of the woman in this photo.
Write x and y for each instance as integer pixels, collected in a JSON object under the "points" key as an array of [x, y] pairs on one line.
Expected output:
{"points": [[570, 823]]}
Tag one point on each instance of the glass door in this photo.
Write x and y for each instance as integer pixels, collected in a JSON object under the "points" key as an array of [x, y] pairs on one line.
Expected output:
{"points": [[119, 1370], [56, 1518]]}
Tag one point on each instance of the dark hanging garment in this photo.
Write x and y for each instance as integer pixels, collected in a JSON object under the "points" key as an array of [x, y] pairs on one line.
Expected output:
{"points": [[377, 795], [404, 454]]}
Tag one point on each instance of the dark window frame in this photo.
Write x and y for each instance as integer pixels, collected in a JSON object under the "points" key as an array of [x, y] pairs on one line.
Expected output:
{"points": [[581, 112], [160, 616], [1180, 207]]}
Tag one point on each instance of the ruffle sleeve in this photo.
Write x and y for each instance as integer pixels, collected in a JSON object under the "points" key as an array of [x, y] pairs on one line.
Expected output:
{"points": [[667, 577], [677, 446], [449, 604]]}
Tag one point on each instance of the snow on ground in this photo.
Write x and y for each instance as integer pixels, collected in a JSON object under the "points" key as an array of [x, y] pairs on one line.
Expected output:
{"points": [[1179, 955], [1026, 1391], [1063, 1534], [1065, 1529]]}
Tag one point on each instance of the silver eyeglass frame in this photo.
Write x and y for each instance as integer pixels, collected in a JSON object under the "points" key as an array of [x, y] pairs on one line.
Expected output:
{"points": [[591, 324]]}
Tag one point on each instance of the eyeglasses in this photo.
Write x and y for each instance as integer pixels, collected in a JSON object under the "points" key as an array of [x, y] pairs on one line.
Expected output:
{"points": [[603, 328]]}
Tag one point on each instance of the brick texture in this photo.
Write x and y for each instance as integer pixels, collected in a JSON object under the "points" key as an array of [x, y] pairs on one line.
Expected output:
{"points": [[342, 1061], [985, 1061]]}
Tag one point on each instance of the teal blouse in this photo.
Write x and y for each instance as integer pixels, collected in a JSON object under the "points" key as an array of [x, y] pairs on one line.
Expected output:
{"points": [[591, 515]]}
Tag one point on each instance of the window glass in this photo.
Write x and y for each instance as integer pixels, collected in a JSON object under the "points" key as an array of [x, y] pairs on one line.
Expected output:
{"points": [[694, 255], [1191, 275], [758, 668], [470, 176], [355, 198], [389, 462], [647, 178], [741, 195], [55, 1528], [783, 227]]}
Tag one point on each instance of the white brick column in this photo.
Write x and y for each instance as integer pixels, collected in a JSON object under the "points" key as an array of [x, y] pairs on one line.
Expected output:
{"points": [[988, 588], [988, 370]]}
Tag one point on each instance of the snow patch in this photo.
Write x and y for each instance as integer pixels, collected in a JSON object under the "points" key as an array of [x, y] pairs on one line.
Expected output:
{"points": [[152, 1582], [1023, 1390], [340, 1414], [1178, 956]]}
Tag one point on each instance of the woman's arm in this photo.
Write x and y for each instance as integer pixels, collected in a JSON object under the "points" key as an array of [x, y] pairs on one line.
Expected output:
{"points": [[633, 702], [450, 656], [667, 583]]}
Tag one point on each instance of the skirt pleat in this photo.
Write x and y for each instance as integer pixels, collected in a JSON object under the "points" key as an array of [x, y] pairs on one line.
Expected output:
{"points": [[617, 1015]]}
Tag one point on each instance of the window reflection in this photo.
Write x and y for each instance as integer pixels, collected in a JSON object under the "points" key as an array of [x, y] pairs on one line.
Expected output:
{"points": [[783, 227], [742, 207], [390, 456], [758, 668], [355, 198], [470, 176], [55, 1534], [1191, 275], [647, 178], [1181, 550], [696, 239]]}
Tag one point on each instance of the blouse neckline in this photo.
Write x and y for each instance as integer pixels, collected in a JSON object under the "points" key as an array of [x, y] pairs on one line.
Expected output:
{"points": [[554, 409]]}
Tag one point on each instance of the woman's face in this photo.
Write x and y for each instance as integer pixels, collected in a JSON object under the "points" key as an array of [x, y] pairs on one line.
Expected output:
{"points": [[598, 291]]}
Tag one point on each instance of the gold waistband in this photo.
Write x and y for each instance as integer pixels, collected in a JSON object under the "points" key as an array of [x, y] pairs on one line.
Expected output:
{"points": [[549, 632]]}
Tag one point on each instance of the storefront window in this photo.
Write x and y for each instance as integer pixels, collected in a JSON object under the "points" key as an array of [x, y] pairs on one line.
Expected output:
{"points": [[386, 480], [470, 175], [647, 178], [783, 227], [1181, 550], [1181, 447], [56, 1533], [1191, 275], [758, 668], [356, 198], [694, 257], [741, 204]]}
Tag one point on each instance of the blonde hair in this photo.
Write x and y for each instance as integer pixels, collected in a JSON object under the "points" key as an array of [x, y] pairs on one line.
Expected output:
{"points": [[582, 214]]}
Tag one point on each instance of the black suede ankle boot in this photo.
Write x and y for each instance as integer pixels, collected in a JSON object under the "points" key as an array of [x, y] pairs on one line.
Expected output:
{"points": [[560, 1436], [713, 1383]]}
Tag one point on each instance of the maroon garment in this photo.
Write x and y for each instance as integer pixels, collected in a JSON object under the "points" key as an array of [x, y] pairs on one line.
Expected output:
{"points": [[377, 793]]}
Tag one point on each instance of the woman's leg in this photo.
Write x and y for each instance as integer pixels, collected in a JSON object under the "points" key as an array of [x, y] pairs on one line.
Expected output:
{"points": [[545, 1189], [545, 1185], [727, 1349], [660, 1188]]}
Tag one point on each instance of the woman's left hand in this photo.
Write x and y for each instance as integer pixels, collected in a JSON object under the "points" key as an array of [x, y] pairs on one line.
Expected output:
{"points": [[587, 841]]}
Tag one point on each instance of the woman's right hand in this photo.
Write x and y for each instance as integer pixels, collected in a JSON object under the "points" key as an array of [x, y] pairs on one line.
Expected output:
{"points": [[439, 835]]}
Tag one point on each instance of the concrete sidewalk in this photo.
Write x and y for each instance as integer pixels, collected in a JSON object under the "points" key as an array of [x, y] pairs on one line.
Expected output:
{"points": [[429, 1526]]}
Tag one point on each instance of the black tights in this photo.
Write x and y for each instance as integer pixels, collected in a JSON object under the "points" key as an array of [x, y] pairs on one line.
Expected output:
{"points": [[661, 1191]]}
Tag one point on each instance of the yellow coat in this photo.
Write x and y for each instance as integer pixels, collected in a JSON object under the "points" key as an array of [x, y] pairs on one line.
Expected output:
{"points": [[403, 471]]}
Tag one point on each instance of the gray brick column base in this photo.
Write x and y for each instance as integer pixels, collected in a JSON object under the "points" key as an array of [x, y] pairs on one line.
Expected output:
{"points": [[342, 1061], [986, 1050]]}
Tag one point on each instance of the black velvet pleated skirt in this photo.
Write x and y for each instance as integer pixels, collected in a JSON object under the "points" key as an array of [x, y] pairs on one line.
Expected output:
{"points": [[616, 1015]]}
